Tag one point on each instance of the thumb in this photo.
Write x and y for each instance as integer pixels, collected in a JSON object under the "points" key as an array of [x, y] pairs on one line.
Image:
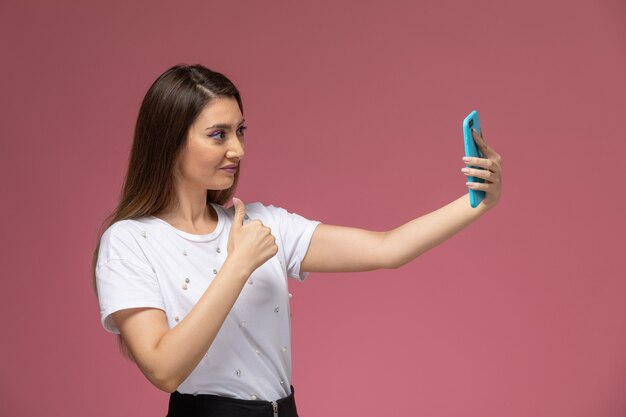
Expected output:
{"points": [[483, 148], [240, 212], [479, 137]]}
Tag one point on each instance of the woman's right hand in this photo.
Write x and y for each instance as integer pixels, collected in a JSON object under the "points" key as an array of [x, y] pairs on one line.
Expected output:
{"points": [[167, 356], [251, 244]]}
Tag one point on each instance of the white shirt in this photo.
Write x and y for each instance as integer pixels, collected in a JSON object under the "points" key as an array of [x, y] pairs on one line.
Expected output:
{"points": [[146, 262]]}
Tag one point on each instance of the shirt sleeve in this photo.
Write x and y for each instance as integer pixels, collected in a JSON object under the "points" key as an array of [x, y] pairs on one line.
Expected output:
{"points": [[124, 277], [295, 232]]}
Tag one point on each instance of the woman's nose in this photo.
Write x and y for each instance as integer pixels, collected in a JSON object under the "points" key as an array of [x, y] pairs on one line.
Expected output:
{"points": [[235, 149]]}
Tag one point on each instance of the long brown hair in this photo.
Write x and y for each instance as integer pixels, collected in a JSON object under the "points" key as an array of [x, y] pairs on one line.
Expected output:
{"points": [[168, 110]]}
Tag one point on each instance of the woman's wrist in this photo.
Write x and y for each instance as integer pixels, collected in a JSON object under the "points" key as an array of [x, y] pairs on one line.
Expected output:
{"points": [[236, 267]]}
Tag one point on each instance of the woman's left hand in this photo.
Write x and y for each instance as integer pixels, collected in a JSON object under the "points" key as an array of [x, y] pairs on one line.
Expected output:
{"points": [[491, 172]]}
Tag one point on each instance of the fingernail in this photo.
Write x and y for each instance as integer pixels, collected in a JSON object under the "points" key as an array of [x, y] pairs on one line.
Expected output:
{"points": [[466, 158]]}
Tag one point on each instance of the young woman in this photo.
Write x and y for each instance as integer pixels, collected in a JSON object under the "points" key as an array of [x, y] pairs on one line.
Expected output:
{"points": [[197, 291]]}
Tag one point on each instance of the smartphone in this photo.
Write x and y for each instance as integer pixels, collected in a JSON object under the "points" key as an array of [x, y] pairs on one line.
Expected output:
{"points": [[472, 121]]}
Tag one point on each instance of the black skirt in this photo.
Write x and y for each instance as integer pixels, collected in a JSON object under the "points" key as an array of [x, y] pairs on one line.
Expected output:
{"points": [[206, 405]]}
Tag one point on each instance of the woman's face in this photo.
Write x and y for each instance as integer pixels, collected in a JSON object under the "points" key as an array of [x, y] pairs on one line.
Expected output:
{"points": [[214, 145]]}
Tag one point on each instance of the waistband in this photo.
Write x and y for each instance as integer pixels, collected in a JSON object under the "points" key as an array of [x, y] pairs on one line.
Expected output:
{"points": [[208, 405]]}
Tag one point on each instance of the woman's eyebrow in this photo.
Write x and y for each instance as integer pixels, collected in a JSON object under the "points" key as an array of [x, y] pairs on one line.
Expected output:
{"points": [[224, 125]]}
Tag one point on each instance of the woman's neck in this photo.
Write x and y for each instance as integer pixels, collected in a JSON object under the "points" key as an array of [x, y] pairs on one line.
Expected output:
{"points": [[195, 216]]}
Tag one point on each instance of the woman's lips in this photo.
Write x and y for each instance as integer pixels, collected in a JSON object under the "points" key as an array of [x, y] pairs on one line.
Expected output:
{"points": [[231, 169]]}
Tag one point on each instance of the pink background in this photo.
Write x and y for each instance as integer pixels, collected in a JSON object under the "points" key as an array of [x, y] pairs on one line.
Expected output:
{"points": [[355, 113]]}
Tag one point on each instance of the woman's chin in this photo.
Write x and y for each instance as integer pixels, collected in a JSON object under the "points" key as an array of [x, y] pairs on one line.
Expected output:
{"points": [[219, 187]]}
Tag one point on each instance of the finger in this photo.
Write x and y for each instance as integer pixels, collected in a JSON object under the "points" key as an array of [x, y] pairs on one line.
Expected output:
{"points": [[479, 138], [485, 174], [485, 163], [240, 212], [479, 186]]}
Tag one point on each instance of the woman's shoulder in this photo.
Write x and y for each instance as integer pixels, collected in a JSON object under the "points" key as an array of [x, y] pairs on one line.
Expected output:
{"points": [[126, 227], [125, 237], [274, 213], [125, 240], [254, 207], [259, 206], [269, 214]]}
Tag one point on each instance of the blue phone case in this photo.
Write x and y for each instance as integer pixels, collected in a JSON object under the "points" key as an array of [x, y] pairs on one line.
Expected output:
{"points": [[472, 121]]}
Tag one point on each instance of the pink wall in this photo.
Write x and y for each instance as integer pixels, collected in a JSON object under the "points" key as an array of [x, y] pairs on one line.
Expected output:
{"points": [[354, 111]]}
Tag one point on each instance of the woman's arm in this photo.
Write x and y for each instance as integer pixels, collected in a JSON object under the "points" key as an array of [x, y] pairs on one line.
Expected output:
{"points": [[344, 249], [167, 356], [348, 249]]}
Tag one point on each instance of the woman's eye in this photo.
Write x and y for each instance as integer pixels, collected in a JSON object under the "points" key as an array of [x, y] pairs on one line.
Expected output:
{"points": [[218, 135], [241, 129]]}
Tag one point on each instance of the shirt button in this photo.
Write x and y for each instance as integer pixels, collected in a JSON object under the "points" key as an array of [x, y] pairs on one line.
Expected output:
{"points": [[218, 250], [238, 372], [184, 252], [184, 286], [250, 282], [253, 397], [276, 310], [176, 319], [282, 382], [143, 233], [187, 280], [215, 271], [242, 324], [283, 349]]}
